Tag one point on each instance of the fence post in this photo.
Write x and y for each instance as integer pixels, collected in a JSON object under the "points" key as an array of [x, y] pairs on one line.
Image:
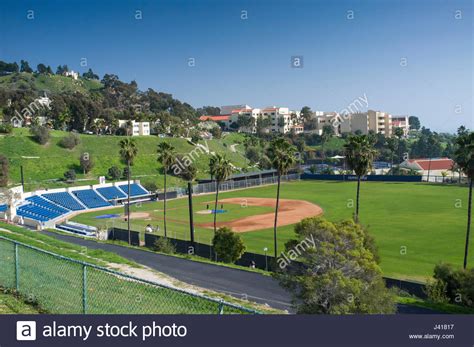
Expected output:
{"points": [[221, 307], [17, 269], [84, 289]]}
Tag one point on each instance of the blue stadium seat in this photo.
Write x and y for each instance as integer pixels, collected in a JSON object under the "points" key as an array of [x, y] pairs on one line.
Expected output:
{"points": [[90, 198], [42, 202], [37, 213], [3, 208], [135, 189], [65, 200], [111, 193]]}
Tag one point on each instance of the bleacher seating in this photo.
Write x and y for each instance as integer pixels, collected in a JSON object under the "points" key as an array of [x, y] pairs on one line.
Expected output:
{"points": [[42, 202], [65, 200], [135, 189], [90, 198], [111, 193], [36, 212]]}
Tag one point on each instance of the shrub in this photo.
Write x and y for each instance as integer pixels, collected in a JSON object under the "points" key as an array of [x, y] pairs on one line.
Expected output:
{"points": [[70, 141], [458, 284], [125, 173], [164, 245], [114, 173], [216, 132], [70, 175], [150, 186], [228, 245], [86, 162], [40, 134], [6, 128], [328, 282], [436, 292], [3, 171]]}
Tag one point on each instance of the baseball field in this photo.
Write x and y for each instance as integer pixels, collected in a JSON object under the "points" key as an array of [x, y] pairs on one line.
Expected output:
{"points": [[415, 225]]}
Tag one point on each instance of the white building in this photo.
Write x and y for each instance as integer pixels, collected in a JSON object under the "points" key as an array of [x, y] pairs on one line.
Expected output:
{"points": [[227, 110], [282, 119], [401, 122], [137, 128], [72, 74]]}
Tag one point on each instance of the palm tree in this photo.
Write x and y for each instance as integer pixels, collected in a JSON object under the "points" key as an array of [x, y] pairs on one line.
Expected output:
{"points": [[128, 152], [220, 169], [283, 157], [189, 174], [167, 157], [360, 155], [392, 145], [464, 158]]}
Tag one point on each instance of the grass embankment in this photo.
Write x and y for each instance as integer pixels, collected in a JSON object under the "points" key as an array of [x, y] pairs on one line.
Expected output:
{"points": [[44, 165], [11, 303], [415, 225], [56, 284]]}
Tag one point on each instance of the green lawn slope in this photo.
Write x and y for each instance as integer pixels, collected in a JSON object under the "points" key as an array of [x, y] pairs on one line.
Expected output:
{"points": [[43, 165]]}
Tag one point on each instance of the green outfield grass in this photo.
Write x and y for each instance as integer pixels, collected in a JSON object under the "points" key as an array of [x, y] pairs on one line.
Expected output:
{"points": [[415, 225]]}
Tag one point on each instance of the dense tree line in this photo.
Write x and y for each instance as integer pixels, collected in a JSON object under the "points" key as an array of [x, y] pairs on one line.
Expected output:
{"points": [[114, 100]]}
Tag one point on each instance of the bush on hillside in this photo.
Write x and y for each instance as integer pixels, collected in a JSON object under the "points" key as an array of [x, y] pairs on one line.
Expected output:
{"points": [[457, 285], [86, 162], [164, 245], [40, 134], [6, 128], [150, 186], [70, 141], [125, 173], [114, 173], [228, 245], [3, 171], [70, 176]]}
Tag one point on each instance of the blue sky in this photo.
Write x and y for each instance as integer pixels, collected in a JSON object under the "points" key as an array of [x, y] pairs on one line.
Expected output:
{"points": [[407, 57]]}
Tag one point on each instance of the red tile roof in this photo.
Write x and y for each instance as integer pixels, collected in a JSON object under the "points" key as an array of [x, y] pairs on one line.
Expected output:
{"points": [[436, 164], [214, 118]]}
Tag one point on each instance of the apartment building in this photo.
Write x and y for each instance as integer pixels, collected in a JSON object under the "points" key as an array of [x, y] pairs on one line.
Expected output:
{"points": [[376, 121], [282, 119], [137, 128], [401, 122], [323, 119]]}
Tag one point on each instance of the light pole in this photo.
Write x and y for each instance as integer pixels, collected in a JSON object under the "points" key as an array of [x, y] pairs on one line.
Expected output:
{"points": [[266, 262]]}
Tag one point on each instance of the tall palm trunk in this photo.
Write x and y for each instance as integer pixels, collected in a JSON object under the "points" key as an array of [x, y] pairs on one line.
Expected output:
{"points": [[215, 206], [128, 203], [164, 209], [357, 200], [276, 218], [191, 221], [469, 210], [391, 163], [429, 170]]}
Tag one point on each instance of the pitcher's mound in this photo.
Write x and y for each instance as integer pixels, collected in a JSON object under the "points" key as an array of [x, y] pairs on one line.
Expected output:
{"points": [[138, 215], [289, 212]]}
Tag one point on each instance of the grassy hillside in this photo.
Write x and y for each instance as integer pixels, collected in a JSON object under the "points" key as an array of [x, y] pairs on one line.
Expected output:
{"points": [[51, 84], [43, 165]]}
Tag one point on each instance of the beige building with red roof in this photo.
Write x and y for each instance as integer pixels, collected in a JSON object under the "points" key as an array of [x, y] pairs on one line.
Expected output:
{"points": [[435, 165]]}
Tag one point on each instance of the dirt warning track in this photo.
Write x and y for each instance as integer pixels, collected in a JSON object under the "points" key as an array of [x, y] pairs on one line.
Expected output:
{"points": [[289, 212]]}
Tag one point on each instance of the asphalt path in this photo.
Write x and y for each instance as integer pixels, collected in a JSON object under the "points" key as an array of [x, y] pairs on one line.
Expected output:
{"points": [[241, 284]]}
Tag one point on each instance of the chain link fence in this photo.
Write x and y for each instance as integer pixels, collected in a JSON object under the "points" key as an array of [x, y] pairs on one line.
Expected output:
{"points": [[67, 286], [231, 185]]}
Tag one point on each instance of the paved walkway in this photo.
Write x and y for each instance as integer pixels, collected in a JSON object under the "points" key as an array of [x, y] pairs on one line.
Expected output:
{"points": [[238, 283]]}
